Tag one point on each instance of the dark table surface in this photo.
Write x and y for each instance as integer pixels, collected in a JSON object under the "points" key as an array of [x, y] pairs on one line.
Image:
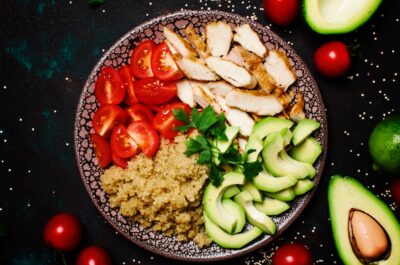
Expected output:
{"points": [[47, 50]]}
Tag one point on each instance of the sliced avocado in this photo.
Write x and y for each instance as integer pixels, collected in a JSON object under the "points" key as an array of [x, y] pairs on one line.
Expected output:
{"points": [[303, 129], [269, 125], [230, 192], [303, 186], [340, 16], [226, 240], [266, 182], [212, 201], [223, 145], [347, 196], [254, 216], [283, 195], [271, 206], [279, 163], [254, 192], [254, 143], [307, 152], [236, 210]]}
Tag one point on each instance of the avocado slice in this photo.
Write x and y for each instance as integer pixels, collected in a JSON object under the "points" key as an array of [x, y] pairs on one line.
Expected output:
{"points": [[338, 16], [271, 206], [254, 143], [212, 201], [303, 186], [303, 129], [230, 192], [226, 240], [254, 192], [347, 195], [307, 152], [283, 195], [236, 210], [269, 125], [223, 145], [254, 216], [266, 182]]}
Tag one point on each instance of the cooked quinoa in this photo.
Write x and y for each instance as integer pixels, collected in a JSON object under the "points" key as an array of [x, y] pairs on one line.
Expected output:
{"points": [[162, 193]]}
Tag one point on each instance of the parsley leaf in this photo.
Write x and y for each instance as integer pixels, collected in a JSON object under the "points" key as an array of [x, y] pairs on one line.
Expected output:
{"points": [[205, 157], [250, 170], [205, 119], [216, 176], [218, 130], [196, 145]]}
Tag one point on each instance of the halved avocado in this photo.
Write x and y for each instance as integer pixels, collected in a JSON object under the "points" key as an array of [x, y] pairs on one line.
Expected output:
{"points": [[338, 16], [271, 206], [266, 182], [236, 210], [347, 198]]}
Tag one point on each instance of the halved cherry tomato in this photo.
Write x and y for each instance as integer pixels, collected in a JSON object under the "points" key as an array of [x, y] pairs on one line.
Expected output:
{"points": [[163, 64], [165, 121], [144, 134], [141, 59], [157, 108], [153, 91], [127, 80], [118, 161], [102, 150], [109, 88], [122, 144], [106, 117], [139, 112]]}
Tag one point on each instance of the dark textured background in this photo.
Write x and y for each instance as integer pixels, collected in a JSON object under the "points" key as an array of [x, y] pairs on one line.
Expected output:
{"points": [[48, 48]]}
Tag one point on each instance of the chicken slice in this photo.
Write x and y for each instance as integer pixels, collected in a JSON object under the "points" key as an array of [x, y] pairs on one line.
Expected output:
{"points": [[278, 66], [220, 88], [254, 101], [197, 42], [297, 112], [204, 97], [219, 37], [242, 142], [231, 72], [249, 39], [179, 43], [185, 92], [194, 68]]}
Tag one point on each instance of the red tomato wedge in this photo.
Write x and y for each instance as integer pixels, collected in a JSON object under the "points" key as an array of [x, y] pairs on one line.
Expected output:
{"points": [[165, 121], [127, 80], [122, 145], [106, 117], [144, 134], [109, 88], [118, 161], [102, 150], [152, 91], [157, 108], [163, 64], [141, 59], [139, 112]]}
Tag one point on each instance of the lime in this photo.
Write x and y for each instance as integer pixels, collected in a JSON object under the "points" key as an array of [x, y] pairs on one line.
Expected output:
{"points": [[384, 145]]}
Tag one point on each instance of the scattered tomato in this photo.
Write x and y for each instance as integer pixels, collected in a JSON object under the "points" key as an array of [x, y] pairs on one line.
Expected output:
{"points": [[127, 80], [144, 134], [141, 59], [139, 112], [292, 254], [281, 12], [122, 145], [153, 91], [163, 64], [395, 190], [118, 161], [106, 117], [109, 88], [102, 150], [332, 59], [165, 121], [93, 255], [157, 108], [62, 232]]}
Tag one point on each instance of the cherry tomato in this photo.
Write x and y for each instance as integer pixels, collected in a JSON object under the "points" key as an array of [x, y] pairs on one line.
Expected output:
{"points": [[141, 59], [157, 108], [144, 134], [118, 161], [153, 91], [62, 232], [106, 117], [165, 121], [122, 145], [281, 12], [332, 59], [127, 80], [395, 190], [93, 255], [163, 64], [102, 150], [139, 112], [109, 88], [292, 254]]}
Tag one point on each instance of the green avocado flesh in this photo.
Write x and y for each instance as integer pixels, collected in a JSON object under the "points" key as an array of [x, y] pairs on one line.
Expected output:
{"points": [[269, 125], [338, 16], [283, 195], [303, 129], [236, 210], [346, 194], [254, 192], [266, 182], [308, 151], [230, 192], [271, 206]]}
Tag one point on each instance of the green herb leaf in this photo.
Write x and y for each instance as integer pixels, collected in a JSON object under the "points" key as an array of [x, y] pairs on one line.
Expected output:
{"points": [[196, 145], [250, 170], [180, 114], [216, 174], [218, 130], [231, 156], [205, 119], [205, 157]]}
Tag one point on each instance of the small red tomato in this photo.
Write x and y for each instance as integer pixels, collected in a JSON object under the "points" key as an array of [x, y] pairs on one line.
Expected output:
{"points": [[163, 64], [102, 150], [165, 121], [281, 12], [119, 161], [127, 80], [93, 255], [62, 232], [395, 190], [332, 59], [109, 88], [141, 59], [139, 112], [152, 91], [122, 145], [146, 137], [106, 118], [292, 254]]}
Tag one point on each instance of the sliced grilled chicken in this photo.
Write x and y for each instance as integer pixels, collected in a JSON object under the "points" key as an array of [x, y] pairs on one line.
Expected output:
{"points": [[220, 88], [197, 42], [282, 96], [179, 43], [278, 66], [242, 142], [249, 39], [185, 92], [195, 68], [255, 101], [231, 72], [219, 37], [297, 112], [204, 97], [253, 64]]}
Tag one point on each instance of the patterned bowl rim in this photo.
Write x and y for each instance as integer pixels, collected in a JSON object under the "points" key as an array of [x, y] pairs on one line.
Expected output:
{"points": [[256, 244]]}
